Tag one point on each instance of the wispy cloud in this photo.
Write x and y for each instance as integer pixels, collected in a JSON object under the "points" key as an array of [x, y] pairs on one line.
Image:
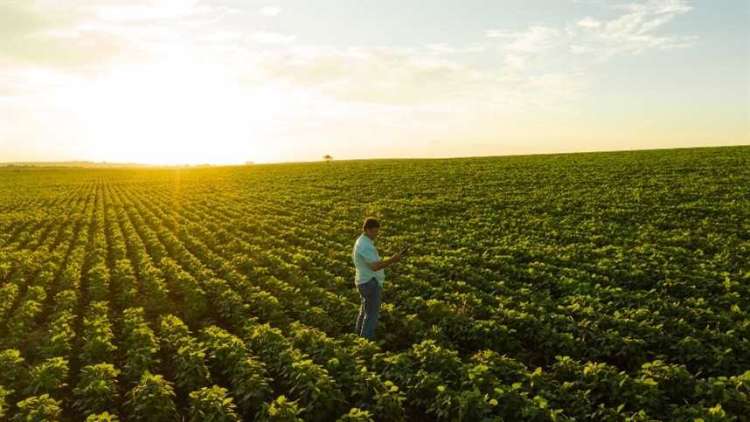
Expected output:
{"points": [[267, 37], [589, 22], [84, 35], [521, 47], [270, 11], [532, 40], [637, 27], [637, 30], [413, 78], [444, 48]]}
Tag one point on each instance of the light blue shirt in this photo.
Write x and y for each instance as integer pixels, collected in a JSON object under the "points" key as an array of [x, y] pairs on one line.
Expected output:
{"points": [[364, 251]]}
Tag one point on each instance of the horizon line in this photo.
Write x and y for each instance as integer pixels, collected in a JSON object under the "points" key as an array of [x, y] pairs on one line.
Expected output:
{"points": [[93, 163]]}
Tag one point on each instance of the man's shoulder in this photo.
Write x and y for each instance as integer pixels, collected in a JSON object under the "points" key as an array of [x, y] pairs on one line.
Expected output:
{"points": [[362, 238], [362, 242]]}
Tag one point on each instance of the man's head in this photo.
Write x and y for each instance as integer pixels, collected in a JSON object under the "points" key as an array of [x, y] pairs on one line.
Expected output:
{"points": [[371, 227]]}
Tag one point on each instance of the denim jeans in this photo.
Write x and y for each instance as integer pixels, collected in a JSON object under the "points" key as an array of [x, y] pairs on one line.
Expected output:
{"points": [[369, 310]]}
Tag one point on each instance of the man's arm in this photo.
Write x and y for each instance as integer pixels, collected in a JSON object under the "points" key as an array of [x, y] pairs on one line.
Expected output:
{"points": [[383, 263]]}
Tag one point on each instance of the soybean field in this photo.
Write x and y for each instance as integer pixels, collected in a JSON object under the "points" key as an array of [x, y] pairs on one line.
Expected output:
{"points": [[611, 286]]}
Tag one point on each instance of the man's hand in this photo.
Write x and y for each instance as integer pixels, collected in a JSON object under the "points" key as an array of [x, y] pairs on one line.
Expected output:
{"points": [[396, 258]]}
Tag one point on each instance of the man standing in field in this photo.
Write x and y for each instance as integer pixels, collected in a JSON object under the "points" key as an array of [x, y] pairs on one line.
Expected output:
{"points": [[369, 277]]}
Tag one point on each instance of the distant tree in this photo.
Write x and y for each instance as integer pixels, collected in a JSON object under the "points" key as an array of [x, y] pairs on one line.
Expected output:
{"points": [[328, 157]]}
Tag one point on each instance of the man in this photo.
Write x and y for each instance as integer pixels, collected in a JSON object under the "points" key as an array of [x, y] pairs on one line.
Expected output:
{"points": [[369, 277]]}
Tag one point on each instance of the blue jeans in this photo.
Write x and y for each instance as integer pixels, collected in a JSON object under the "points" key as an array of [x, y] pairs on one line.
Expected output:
{"points": [[369, 310]]}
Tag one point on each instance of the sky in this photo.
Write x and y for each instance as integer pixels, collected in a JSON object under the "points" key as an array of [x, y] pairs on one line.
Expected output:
{"points": [[231, 81]]}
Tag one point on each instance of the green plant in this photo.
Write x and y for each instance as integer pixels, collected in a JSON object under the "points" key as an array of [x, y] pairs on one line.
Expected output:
{"points": [[280, 409], [48, 376], [356, 415], [4, 393], [97, 388], [41, 408], [12, 368], [103, 417], [152, 399], [212, 404], [140, 344]]}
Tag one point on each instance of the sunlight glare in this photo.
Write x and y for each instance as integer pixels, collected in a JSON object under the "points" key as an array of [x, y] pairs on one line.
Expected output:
{"points": [[171, 113]]}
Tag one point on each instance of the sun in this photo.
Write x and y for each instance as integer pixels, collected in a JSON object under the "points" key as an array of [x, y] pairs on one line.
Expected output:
{"points": [[173, 112]]}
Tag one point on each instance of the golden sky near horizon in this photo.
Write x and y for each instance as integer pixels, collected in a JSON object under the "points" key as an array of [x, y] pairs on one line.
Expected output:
{"points": [[229, 81]]}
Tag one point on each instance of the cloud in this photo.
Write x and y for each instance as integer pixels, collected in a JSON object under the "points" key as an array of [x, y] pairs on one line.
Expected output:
{"points": [[266, 37], [411, 78], [589, 22], [637, 27], [270, 11], [83, 35], [535, 39], [520, 48], [634, 31], [148, 10], [30, 37], [657, 7], [443, 48]]}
